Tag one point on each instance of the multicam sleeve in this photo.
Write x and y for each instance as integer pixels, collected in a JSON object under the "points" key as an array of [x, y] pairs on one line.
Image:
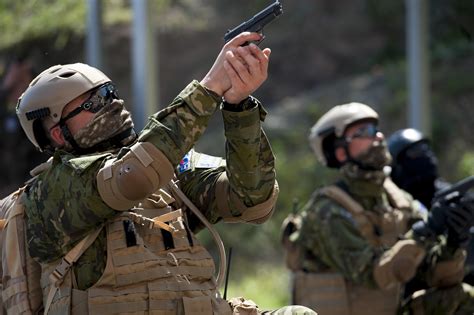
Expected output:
{"points": [[331, 239], [245, 190], [175, 129], [250, 160]]}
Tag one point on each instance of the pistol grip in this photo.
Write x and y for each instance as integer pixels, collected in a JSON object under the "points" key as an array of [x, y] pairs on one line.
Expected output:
{"points": [[256, 42]]}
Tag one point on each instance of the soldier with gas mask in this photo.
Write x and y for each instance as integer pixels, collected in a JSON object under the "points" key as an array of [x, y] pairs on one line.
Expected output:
{"points": [[351, 248], [111, 218]]}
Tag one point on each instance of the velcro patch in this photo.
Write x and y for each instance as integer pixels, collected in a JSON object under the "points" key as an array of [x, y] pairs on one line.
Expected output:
{"points": [[208, 161], [185, 163]]}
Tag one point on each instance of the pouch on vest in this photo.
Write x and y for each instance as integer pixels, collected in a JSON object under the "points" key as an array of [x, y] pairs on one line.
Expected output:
{"points": [[21, 290], [289, 230]]}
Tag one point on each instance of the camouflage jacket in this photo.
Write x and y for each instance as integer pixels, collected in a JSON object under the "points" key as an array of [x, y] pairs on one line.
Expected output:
{"points": [[331, 241], [63, 204]]}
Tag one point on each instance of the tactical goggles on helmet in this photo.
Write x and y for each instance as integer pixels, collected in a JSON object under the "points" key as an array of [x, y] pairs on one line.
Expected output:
{"points": [[98, 99], [368, 130]]}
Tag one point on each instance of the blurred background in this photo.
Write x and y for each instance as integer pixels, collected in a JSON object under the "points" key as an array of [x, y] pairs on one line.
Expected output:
{"points": [[396, 56]]}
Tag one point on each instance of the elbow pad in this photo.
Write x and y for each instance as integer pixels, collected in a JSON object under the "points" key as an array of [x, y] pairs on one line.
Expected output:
{"points": [[124, 182], [399, 264], [233, 210]]}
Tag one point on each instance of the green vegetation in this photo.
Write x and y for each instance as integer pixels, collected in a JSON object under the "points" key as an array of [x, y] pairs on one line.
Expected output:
{"points": [[466, 166], [29, 20], [267, 285]]}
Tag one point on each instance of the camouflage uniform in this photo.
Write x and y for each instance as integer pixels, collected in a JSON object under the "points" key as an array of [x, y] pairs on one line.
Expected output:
{"points": [[331, 241], [63, 205]]}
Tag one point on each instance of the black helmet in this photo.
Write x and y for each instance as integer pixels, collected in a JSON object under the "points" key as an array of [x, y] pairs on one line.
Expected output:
{"points": [[414, 166], [401, 139]]}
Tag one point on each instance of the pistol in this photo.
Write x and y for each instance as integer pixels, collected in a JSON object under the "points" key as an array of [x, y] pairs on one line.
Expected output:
{"points": [[257, 22]]}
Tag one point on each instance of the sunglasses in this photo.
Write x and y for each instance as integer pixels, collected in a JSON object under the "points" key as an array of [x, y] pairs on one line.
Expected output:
{"points": [[98, 99], [365, 131]]}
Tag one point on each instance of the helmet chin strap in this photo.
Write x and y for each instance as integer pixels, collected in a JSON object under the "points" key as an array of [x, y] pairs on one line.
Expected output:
{"points": [[68, 136]]}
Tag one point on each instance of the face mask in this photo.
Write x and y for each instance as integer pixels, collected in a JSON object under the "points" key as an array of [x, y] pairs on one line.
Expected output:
{"points": [[417, 175], [375, 158], [108, 122], [423, 165]]}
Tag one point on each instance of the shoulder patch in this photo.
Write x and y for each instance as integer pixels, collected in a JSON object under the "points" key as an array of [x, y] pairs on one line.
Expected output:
{"points": [[208, 161], [185, 163]]}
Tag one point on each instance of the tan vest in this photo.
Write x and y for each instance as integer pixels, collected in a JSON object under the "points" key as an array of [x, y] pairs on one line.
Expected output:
{"points": [[330, 293], [167, 272], [21, 292]]}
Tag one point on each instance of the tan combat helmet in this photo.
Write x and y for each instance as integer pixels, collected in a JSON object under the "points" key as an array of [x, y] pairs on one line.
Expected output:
{"points": [[334, 123], [50, 92]]}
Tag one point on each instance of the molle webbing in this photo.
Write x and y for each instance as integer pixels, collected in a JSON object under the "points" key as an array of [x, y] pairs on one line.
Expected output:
{"points": [[323, 292], [331, 294], [21, 291], [56, 278], [148, 277]]}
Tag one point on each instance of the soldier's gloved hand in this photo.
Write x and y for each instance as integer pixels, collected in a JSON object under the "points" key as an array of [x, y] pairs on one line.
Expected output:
{"points": [[436, 223], [460, 218], [437, 217]]}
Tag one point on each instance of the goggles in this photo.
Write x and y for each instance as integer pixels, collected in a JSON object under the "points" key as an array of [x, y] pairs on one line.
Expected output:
{"points": [[98, 99], [366, 131]]}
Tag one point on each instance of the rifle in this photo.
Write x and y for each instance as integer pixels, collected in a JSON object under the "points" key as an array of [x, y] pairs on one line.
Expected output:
{"points": [[437, 218], [455, 191], [448, 195], [257, 22]]}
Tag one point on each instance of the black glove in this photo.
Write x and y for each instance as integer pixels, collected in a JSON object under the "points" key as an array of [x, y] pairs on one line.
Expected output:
{"points": [[437, 217], [459, 219], [435, 225]]}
